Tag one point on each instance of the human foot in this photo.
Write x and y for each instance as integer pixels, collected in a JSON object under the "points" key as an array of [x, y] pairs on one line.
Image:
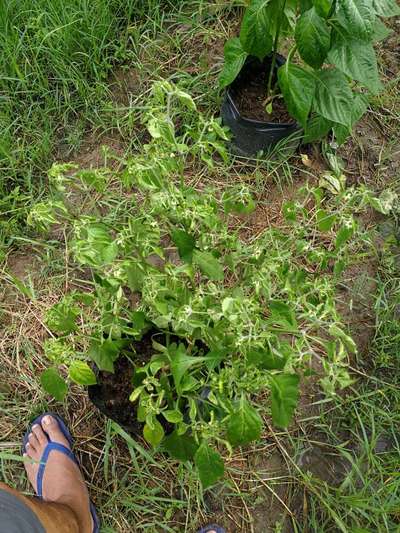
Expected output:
{"points": [[62, 479]]}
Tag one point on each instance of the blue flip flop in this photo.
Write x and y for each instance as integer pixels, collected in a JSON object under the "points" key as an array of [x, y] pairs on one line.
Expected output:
{"points": [[212, 527], [51, 446]]}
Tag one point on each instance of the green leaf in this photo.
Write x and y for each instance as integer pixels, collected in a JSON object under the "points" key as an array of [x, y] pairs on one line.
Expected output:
{"points": [[185, 244], [386, 8], [209, 464], [282, 314], [313, 38], [343, 235], [104, 353], [359, 107], [356, 17], [181, 362], [54, 384], [284, 397], [153, 433], [266, 359], [209, 265], [380, 31], [317, 127], [81, 373], [325, 221], [173, 415], [235, 56], [322, 7], [386, 201], [255, 36], [298, 87], [93, 245], [61, 318], [289, 211], [180, 447], [244, 425], [333, 97], [135, 275], [356, 59]]}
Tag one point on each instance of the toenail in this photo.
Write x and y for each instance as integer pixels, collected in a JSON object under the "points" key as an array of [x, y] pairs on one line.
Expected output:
{"points": [[35, 426], [30, 435], [47, 420]]}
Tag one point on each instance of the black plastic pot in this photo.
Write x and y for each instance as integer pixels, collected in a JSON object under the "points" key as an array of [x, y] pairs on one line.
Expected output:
{"points": [[252, 136]]}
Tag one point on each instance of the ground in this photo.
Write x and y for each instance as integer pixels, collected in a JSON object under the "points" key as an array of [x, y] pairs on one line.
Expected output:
{"points": [[289, 481]]}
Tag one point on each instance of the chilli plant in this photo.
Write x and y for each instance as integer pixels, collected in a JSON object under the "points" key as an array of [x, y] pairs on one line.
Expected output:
{"points": [[331, 65], [232, 321]]}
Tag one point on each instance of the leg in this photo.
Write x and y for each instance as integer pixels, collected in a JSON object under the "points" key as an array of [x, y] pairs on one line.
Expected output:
{"points": [[54, 517]]}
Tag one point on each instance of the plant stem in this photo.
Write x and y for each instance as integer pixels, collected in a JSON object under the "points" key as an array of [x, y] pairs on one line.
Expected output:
{"points": [[275, 49]]}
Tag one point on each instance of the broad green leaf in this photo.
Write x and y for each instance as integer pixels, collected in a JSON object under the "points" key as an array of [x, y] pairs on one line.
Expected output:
{"points": [[209, 265], [282, 314], [333, 97], [209, 464], [305, 5], [266, 359], [356, 17], [386, 8], [173, 415], [180, 447], [343, 235], [54, 384], [93, 245], [325, 221], [357, 60], [61, 318], [289, 211], [386, 201], [322, 7], [359, 107], [284, 398], [135, 275], [313, 38], [380, 30], [181, 362], [244, 425], [104, 353], [235, 56], [81, 373], [153, 433], [317, 127], [255, 34], [185, 244], [298, 87]]}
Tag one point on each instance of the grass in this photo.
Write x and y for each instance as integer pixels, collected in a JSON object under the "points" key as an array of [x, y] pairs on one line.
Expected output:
{"points": [[62, 73]]}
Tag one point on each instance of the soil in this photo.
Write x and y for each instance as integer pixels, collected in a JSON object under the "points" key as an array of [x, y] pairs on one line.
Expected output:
{"points": [[111, 394], [251, 101]]}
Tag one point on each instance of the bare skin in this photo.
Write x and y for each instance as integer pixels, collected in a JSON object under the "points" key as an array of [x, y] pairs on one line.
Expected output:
{"points": [[62, 481]]}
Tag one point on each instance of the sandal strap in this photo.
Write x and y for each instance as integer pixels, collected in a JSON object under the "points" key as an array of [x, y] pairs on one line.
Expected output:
{"points": [[51, 446]]}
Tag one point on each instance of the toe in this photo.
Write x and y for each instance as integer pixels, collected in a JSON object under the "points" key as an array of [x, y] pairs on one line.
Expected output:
{"points": [[32, 440], [51, 427], [31, 452], [40, 435]]}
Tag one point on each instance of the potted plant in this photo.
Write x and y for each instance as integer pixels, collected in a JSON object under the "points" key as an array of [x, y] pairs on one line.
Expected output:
{"points": [[325, 80]]}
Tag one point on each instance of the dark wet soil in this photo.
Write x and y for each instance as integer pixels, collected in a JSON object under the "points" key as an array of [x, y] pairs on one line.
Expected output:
{"points": [[111, 394], [251, 100]]}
